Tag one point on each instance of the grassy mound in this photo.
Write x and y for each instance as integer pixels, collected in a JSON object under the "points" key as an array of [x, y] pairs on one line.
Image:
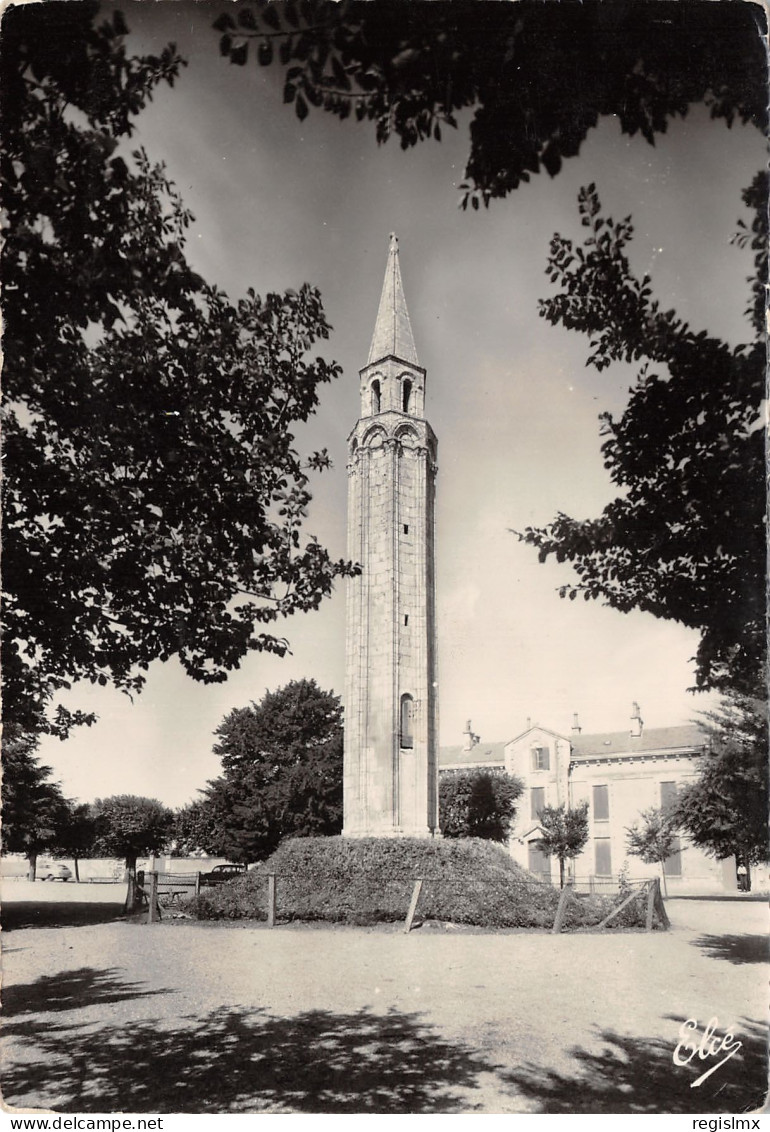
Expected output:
{"points": [[370, 880]]}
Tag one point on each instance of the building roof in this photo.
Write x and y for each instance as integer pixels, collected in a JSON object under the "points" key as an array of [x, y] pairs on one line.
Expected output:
{"points": [[483, 754], [606, 743], [393, 330], [623, 743], [536, 727]]}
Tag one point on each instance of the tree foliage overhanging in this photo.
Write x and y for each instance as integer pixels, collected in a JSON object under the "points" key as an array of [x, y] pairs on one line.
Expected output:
{"points": [[685, 537], [282, 763], [685, 540], [154, 497], [538, 76]]}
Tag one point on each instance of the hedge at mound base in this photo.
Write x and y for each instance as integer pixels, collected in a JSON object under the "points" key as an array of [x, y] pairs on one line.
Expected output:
{"points": [[370, 880]]}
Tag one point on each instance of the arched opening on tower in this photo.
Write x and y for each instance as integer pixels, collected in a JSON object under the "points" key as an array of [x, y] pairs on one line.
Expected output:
{"points": [[407, 722], [406, 395], [375, 397]]}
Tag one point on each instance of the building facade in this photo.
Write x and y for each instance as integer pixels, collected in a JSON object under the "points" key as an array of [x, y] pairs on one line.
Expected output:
{"points": [[390, 783], [619, 774]]}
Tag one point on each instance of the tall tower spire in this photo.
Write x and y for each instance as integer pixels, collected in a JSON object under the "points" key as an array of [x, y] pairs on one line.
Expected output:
{"points": [[393, 331], [391, 705]]}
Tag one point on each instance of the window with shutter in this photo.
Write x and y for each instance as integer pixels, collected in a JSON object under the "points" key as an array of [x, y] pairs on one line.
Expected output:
{"points": [[601, 803], [540, 758], [672, 866], [537, 796], [667, 794], [603, 856]]}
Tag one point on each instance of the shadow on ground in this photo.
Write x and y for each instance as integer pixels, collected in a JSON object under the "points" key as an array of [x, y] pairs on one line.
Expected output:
{"points": [[30, 914], [244, 1060], [70, 990], [735, 948], [633, 1074]]}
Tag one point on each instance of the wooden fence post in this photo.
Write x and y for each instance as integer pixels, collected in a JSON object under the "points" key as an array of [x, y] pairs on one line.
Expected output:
{"points": [[650, 905], [271, 900], [660, 906], [197, 884], [154, 910], [412, 906], [561, 909]]}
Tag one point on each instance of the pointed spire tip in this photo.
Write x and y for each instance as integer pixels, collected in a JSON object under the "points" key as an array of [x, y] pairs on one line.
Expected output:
{"points": [[393, 331]]}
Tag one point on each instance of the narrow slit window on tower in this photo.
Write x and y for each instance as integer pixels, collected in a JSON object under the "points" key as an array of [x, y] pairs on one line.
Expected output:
{"points": [[406, 394], [375, 397], [406, 528], [407, 721], [406, 619]]}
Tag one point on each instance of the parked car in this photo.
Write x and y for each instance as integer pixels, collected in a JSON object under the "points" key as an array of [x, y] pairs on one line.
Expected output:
{"points": [[55, 871], [221, 873]]}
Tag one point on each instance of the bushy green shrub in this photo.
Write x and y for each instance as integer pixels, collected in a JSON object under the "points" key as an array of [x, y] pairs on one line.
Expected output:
{"points": [[370, 880]]}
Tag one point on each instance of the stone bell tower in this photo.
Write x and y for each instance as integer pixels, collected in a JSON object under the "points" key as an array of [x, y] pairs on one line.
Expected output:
{"points": [[391, 702]]}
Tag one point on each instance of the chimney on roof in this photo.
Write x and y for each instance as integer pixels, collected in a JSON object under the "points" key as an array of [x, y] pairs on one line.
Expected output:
{"points": [[575, 725], [637, 723], [470, 739]]}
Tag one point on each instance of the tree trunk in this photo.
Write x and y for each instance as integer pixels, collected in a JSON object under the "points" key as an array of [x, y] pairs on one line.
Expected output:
{"points": [[663, 874], [561, 872], [748, 874], [32, 861], [132, 893], [77, 870]]}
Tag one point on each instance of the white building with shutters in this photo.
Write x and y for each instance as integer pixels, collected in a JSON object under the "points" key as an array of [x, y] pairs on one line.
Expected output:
{"points": [[619, 774]]}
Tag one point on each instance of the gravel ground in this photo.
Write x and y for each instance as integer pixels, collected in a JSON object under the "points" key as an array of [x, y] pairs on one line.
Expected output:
{"points": [[186, 1017]]}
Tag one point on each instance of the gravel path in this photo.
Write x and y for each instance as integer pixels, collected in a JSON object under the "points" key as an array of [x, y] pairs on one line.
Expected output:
{"points": [[185, 1017]]}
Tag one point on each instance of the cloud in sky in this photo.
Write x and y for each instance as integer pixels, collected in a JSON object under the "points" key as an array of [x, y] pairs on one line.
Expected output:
{"points": [[278, 202]]}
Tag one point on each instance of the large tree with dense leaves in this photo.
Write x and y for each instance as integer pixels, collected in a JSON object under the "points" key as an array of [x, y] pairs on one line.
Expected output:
{"points": [[478, 803], [195, 830], [537, 76], [282, 763], [34, 808], [685, 537], [154, 496], [130, 826], [726, 810], [75, 834]]}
